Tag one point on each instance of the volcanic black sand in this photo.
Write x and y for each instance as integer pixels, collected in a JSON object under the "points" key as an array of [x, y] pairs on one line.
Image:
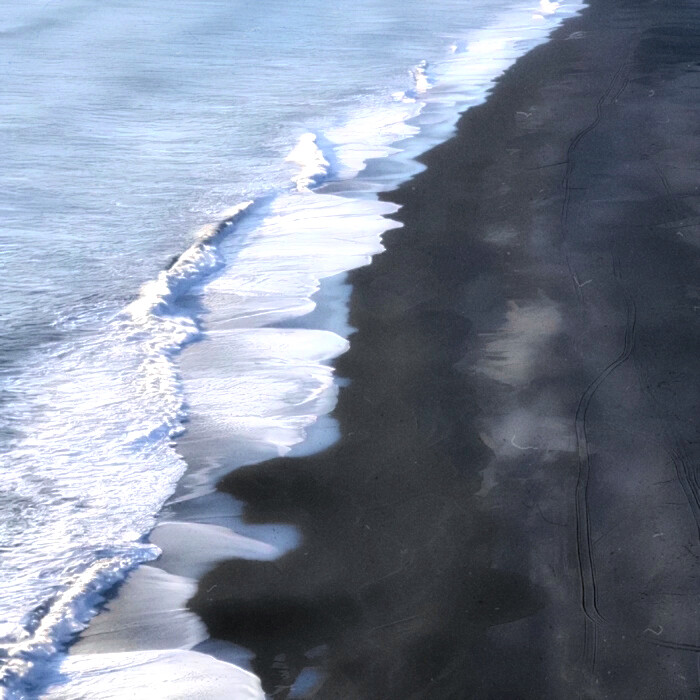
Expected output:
{"points": [[513, 508]]}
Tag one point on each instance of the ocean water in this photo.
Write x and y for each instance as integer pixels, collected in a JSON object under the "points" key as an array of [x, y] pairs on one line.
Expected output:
{"points": [[184, 175]]}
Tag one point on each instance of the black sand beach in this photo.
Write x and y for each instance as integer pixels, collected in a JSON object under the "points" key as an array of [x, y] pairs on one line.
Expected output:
{"points": [[513, 508]]}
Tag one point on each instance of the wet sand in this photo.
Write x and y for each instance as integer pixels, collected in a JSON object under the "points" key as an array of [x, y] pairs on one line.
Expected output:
{"points": [[513, 508]]}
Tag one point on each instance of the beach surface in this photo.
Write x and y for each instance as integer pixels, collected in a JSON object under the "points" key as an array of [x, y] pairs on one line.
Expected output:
{"points": [[512, 510]]}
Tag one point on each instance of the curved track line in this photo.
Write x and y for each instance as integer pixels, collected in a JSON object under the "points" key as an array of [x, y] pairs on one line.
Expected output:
{"points": [[584, 546], [584, 549]]}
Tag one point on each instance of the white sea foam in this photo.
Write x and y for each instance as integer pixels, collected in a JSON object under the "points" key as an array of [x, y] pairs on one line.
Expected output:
{"points": [[157, 675], [420, 77], [549, 8], [267, 397], [311, 161], [372, 133], [281, 255]]}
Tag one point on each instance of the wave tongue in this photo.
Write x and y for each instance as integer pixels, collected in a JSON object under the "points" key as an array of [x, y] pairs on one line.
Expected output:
{"points": [[166, 674]]}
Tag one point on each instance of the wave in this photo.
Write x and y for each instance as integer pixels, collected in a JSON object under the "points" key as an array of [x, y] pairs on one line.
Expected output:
{"points": [[56, 622], [154, 317], [118, 404], [114, 414]]}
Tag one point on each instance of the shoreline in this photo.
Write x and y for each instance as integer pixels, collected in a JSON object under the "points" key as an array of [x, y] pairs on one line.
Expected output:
{"points": [[494, 521]]}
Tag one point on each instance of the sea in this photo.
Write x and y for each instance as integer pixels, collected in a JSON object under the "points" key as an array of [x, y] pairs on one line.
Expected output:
{"points": [[183, 187]]}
